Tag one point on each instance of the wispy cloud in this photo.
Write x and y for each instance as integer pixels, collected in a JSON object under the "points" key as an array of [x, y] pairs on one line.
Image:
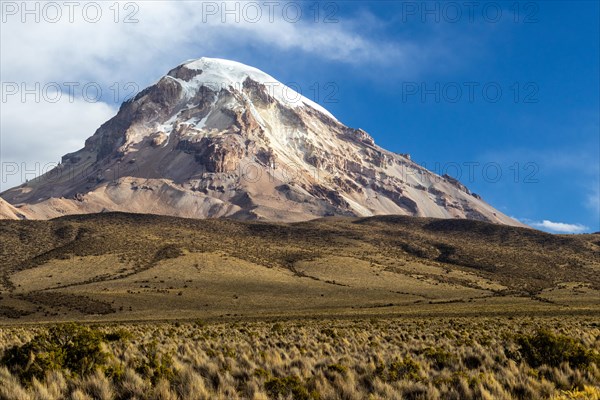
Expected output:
{"points": [[559, 227], [169, 32]]}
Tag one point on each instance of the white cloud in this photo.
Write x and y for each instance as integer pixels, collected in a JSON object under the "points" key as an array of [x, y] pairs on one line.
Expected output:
{"points": [[36, 135], [170, 32], [559, 227]]}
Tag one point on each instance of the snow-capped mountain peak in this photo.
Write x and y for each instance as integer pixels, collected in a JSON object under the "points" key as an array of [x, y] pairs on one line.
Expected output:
{"points": [[218, 138], [217, 73]]}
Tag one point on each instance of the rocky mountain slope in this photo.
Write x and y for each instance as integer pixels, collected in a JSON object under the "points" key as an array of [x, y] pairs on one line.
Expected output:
{"points": [[216, 138], [7, 211]]}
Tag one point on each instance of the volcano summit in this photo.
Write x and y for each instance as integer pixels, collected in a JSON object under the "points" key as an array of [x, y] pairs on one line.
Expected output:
{"points": [[216, 138]]}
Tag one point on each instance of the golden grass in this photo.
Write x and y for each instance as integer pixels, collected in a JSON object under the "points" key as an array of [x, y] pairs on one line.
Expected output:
{"points": [[404, 358]]}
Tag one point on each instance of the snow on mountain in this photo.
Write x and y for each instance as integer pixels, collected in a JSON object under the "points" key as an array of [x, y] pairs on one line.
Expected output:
{"points": [[221, 74], [218, 138]]}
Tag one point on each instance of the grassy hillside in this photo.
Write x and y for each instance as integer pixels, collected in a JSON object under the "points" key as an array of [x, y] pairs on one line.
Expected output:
{"points": [[127, 266]]}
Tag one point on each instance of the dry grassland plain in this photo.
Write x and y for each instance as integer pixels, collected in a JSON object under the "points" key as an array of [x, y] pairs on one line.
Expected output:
{"points": [[338, 308]]}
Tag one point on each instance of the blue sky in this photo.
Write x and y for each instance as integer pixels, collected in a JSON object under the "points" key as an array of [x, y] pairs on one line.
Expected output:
{"points": [[424, 83]]}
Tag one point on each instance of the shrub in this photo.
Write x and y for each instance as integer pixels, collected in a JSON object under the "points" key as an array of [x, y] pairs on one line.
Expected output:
{"points": [[545, 347], [168, 252], [440, 358], [398, 370], [285, 387], [329, 332], [277, 328], [154, 365], [337, 368], [588, 393], [68, 346], [199, 323], [404, 369], [261, 373], [472, 362], [118, 335]]}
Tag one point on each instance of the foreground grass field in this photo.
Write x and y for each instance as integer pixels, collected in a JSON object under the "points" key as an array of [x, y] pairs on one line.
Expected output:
{"points": [[402, 358]]}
